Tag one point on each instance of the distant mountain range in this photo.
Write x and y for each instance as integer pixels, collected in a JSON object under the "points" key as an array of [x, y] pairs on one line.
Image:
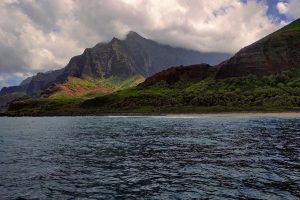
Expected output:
{"points": [[123, 58], [133, 56], [262, 76]]}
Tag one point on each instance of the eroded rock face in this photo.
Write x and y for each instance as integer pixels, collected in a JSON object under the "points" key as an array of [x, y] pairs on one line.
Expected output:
{"points": [[175, 74], [41, 81], [32, 84], [133, 56], [13, 89], [275, 53]]}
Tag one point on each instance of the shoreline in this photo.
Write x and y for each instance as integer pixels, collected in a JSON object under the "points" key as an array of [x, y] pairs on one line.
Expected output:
{"points": [[241, 114], [137, 114]]}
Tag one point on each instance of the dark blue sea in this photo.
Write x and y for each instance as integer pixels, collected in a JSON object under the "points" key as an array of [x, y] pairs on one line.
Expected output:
{"points": [[203, 157]]}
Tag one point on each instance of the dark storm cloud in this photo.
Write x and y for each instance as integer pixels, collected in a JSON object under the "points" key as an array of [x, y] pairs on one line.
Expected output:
{"points": [[10, 60]]}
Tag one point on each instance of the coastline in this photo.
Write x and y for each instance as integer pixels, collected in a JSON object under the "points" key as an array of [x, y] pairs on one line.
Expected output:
{"points": [[243, 114], [203, 114]]}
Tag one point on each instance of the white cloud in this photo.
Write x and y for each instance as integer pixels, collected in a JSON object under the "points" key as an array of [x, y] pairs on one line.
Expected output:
{"points": [[290, 8], [282, 7], [219, 25], [39, 49], [43, 35]]}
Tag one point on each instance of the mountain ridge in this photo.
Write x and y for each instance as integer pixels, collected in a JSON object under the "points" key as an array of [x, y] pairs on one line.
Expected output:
{"points": [[263, 76], [104, 48], [277, 52], [132, 56], [274, 53]]}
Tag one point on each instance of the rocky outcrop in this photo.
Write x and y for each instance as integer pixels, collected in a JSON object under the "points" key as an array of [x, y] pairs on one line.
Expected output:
{"points": [[30, 86], [13, 89], [175, 74], [134, 55], [41, 81]]}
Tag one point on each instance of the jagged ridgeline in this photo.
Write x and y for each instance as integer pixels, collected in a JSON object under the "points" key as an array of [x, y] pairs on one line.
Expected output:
{"points": [[262, 76], [101, 69]]}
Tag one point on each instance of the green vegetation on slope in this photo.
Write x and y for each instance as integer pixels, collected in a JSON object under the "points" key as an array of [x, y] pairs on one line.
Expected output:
{"points": [[274, 92], [88, 88], [269, 93], [288, 33], [294, 26], [67, 97]]}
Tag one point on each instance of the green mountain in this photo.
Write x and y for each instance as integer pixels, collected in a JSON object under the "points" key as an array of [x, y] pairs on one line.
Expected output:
{"points": [[263, 76], [276, 52], [132, 56], [279, 92], [117, 60]]}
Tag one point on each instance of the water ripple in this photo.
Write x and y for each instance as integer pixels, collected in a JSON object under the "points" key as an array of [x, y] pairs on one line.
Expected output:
{"points": [[150, 158]]}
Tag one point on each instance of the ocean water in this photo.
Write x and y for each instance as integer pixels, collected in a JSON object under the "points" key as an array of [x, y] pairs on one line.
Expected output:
{"points": [[150, 158]]}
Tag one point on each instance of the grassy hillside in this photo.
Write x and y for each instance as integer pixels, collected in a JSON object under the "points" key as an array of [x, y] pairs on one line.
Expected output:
{"points": [[269, 93], [274, 92], [67, 97], [294, 26], [88, 88]]}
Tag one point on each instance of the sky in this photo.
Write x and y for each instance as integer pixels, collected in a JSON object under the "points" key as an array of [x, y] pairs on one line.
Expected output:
{"points": [[42, 35]]}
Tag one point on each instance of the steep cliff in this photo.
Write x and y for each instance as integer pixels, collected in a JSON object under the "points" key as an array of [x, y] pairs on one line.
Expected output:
{"points": [[276, 52]]}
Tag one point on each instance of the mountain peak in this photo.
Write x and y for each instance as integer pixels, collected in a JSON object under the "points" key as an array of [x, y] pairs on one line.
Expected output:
{"points": [[133, 34], [115, 39]]}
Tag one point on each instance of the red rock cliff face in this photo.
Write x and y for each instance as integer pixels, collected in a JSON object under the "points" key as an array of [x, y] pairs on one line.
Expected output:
{"points": [[174, 74]]}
